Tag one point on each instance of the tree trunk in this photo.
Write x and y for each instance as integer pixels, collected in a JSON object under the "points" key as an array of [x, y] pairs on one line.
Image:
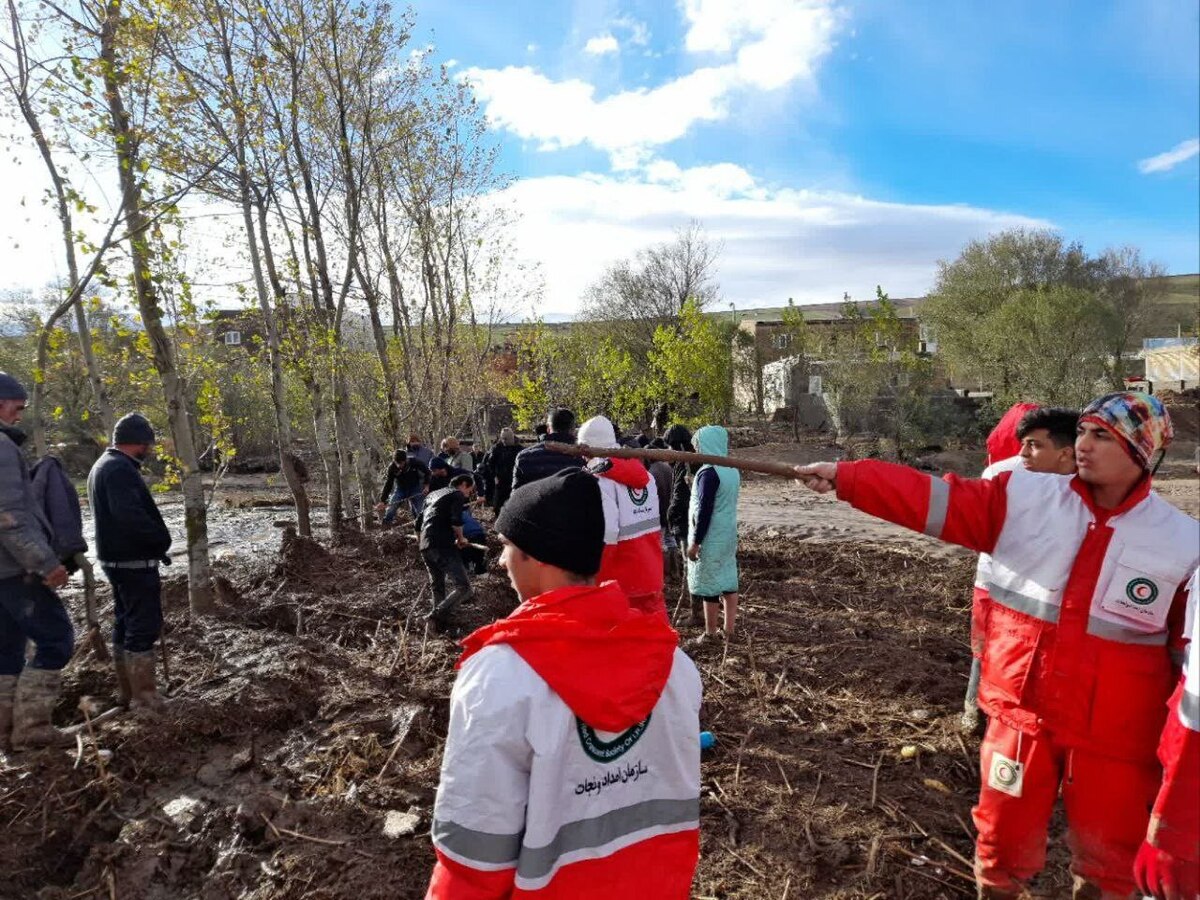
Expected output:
{"points": [[125, 140], [103, 405], [283, 426]]}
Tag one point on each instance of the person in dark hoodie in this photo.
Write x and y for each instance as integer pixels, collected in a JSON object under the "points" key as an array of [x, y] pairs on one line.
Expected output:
{"points": [[131, 541], [574, 711]]}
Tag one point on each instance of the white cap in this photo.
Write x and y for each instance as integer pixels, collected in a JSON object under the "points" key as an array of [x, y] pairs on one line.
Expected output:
{"points": [[598, 432]]}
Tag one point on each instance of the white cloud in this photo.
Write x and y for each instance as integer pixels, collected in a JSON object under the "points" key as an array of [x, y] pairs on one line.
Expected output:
{"points": [[1164, 162], [778, 242], [639, 32], [558, 114], [601, 44], [531, 48], [774, 42], [769, 44]]}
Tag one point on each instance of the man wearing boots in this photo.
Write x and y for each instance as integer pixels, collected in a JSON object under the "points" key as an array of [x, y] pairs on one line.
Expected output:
{"points": [[441, 539], [29, 608], [131, 541]]}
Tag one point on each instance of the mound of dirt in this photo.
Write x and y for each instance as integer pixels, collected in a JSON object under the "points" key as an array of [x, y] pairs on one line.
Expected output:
{"points": [[315, 705], [1184, 407]]}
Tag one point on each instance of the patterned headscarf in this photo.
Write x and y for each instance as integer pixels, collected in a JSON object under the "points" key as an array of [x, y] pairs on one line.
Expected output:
{"points": [[1139, 420]]}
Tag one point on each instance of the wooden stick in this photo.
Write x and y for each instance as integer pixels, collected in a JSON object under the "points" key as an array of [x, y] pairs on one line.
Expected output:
{"points": [[782, 470]]}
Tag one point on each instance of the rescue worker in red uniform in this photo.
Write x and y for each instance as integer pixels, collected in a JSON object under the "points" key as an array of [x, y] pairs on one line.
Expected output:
{"points": [[1042, 439], [1087, 606], [1168, 865], [633, 554]]}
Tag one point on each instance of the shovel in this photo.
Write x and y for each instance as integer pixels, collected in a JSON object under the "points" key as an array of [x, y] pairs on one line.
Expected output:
{"points": [[94, 638]]}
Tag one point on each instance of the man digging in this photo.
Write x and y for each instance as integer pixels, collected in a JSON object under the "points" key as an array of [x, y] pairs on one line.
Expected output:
{"points": [[441, 539]]}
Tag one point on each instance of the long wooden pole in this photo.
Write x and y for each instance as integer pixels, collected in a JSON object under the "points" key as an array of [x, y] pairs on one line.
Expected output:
{"points": [[781, 470]]}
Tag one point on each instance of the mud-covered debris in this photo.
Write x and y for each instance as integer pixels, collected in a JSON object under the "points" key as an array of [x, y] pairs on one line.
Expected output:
{"points": [[398, 824], [184, 810], [404, 718]]}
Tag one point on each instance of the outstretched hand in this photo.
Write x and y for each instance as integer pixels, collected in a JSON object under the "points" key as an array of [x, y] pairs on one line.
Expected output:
{"points": [[820, 477]]}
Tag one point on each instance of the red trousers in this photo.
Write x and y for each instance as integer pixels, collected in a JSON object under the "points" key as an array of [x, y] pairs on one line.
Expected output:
{"points": [[1107, 803]]}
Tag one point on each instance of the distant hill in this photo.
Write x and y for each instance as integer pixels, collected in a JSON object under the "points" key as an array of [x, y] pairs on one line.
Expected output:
{"points": [[1180, 309]]}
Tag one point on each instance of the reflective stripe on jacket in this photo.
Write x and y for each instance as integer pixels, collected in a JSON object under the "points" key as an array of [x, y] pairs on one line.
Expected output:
{"points": [[1085, 602], [979, 597], [534, 803]]}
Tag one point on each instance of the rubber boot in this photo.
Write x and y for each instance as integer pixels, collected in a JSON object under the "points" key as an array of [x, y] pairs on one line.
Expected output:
{"points": [[969, 722], [124, 690], [143, 691], [8, 688], [36, 694], [697, 611]]}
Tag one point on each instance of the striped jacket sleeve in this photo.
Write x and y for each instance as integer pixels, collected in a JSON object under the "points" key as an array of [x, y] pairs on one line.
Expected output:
{"points": [[1175, 821], [962, 511], [479, 815]]}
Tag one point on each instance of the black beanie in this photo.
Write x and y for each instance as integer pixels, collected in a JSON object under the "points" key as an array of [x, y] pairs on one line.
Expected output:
{"points": [[133, 429], [558, 520]]}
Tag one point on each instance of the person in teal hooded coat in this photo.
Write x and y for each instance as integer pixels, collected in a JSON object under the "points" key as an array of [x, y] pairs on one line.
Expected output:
{"points": [[712, 528]]}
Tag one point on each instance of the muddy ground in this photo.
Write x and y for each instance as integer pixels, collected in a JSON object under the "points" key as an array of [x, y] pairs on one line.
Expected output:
{"points": [[312, 710]]}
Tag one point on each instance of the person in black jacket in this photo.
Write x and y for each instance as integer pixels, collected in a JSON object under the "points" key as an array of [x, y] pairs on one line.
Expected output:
{"points": [[441, 473], [679, 438], [498, 467], [537, 462], [441, 540], [131, 541], [410, 479]]}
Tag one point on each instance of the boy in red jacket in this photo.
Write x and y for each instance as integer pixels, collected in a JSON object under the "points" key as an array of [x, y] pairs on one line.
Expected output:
{"points": [[572, 764]]}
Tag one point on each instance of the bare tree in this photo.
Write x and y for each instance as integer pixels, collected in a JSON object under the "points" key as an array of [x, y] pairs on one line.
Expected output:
{"points": [[18, 74], [650, 290]]}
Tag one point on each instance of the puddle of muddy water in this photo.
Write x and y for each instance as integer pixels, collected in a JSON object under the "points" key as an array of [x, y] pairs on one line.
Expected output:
{"points": [[245, 533]]}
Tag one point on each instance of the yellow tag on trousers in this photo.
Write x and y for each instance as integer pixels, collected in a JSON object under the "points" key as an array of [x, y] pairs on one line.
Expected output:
{"points": [[1006, 775]]}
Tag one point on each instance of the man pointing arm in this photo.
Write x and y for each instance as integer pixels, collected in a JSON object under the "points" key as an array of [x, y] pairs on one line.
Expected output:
{"points": [[1086, 587]]}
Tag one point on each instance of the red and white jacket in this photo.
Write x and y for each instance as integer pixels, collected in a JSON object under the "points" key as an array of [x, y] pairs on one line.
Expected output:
{"points": [[1175, 820], [1086, 604], [572, 764], [633, 554], [979, 598]]}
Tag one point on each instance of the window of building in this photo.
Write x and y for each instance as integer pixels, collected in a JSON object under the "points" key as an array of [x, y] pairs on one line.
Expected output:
{"points": [[781, 341], [233, 338]]}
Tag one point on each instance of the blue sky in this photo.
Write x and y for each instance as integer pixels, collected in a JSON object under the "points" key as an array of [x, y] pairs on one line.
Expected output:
{"points": [[833, 146], [827, 146]]}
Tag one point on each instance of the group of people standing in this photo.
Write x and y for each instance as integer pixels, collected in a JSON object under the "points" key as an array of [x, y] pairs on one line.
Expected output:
{"points": [[657, 515]]}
